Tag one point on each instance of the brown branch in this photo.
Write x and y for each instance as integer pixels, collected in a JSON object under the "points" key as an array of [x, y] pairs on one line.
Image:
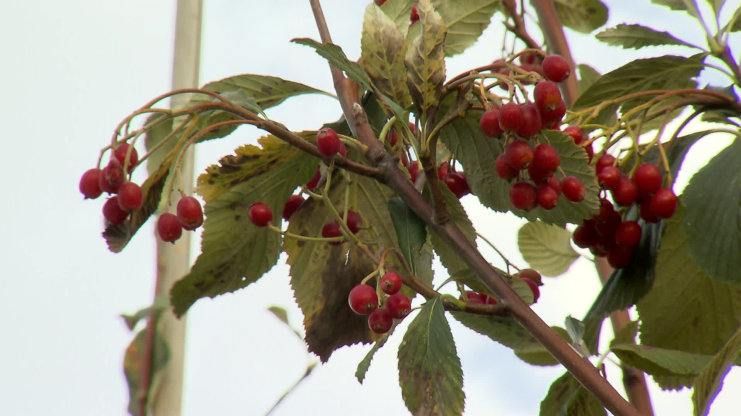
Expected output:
{"points": [[579, 366], [518, 25]]}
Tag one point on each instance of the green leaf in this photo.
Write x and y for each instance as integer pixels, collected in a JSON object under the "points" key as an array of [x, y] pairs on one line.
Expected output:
{"points": [[626, 334], [708, 382], [734, 23], [636, 36], [161, 302], [323, 274], [449, 257], [410, 230], [685, 309], [465, 20], [547, 248], [365, 363], [338, 59], [665, 72], [430, 371], [672, 4], [477, 153], [660, 361], [399, 12], [536, 354], [425, 59], [383, 48], [566, 397], [581, 15], [134, 367], [587, 76], [712, 220], [627, 285], [234, 252]]}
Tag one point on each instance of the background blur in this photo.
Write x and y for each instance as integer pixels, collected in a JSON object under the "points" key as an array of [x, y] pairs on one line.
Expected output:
{"points": [[71, 71]]}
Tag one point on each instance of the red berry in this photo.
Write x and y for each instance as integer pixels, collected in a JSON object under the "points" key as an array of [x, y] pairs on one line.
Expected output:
{"points": [[294, 201], [328, 142], [531, 121], [457, 183], [531, 274], [625, 193], [533, 288], [604, 160], [546, 197], [556, 68], [539, 176], [314, 181], [398, 305], [380, 2], [121, 152], [331, 230], [90, 183], [390, 283], [414, 171], [573, 188], [474, 297], [553, 116], [609, 177], [523, 195], [363, 299], [413, 17], [442, 170], [260, 214], [380, 321], [585, 235], [645, 211], [489, 123], [510, 117], [663, 203], [545, 157], [342, 150], [647, 178], [111, 176], [112, 211], [619, 256], [504, 170], [169, 228], [628, 234], [353, 221], [575, 133], [130, 196], [519, 154], [190, 213], [547, 96]]}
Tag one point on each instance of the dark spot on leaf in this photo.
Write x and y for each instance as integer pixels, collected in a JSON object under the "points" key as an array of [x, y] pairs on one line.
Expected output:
{"points": [[237, 217]]}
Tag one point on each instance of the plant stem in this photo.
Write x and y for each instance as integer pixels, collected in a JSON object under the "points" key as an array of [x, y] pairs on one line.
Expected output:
{"points": [[579, 366]]}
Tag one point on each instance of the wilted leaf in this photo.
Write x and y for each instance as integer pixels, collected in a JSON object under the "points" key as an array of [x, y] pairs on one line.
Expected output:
{"points": [[234, 252], [547, 248], [134, 367], [566, 397], [712, 220], [430, 371], [465, 21], [425, 59], [383, 48], [708, 382], [685, 309], [581, 15], [338, 59], [636, 36]]}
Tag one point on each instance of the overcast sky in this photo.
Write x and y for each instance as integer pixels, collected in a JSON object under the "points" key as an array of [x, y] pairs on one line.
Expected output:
{"points": [[72, 70]]}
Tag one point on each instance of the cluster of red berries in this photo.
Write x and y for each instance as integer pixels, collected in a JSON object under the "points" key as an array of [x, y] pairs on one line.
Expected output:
{"points": [[607, 234], [126, 195], [456, 181], [189, 217], [363, 300], [522, 122], [261, 215], [531, 277]]}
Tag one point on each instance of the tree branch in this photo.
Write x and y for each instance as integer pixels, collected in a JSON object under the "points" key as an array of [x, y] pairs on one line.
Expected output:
{"points": [[579, 366]]}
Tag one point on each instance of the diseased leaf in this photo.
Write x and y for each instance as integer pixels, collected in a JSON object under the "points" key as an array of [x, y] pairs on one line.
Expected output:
{"points": [[712, 220], [430, 371], [547, 248], [708, 382], [134, 367], [465, 21], [566, 397], [686, 310], [383, 48], [338, 59], [234, 252], [322, 274], [477, 153], [425, 59], [635, 36], [581, 15], [410, 230]]}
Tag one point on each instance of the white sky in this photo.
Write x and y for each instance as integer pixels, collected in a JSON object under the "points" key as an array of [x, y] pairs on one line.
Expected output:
{"points": [[72, 70]]}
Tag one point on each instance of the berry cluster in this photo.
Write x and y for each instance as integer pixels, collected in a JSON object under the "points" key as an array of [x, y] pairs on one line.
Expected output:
{"points": [[519, 124], [455, 181], [363, 300], [531, 277], [607, 233], [189, 217]]}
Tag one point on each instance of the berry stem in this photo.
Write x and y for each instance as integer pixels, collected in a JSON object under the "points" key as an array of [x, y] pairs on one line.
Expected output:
{"points": [[300, 237]]}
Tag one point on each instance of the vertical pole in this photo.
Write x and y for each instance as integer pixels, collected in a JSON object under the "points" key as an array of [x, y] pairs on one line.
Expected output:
{"points": [[173, 260]]}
